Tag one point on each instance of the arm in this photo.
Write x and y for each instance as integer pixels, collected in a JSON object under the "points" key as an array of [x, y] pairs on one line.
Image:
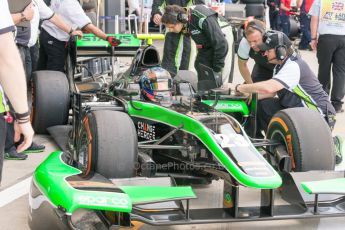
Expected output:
{"points": [[216, 37], [157, 10], [283, 7], [12, 79], [91, 28], [57, 20], [314, 23], [269, 87], [27, 14], [242, 66], [299, 3], [158, 6]]}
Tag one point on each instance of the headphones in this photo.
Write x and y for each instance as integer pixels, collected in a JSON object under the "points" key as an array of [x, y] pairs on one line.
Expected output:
{"points": [[180, 17], [281, 50]]}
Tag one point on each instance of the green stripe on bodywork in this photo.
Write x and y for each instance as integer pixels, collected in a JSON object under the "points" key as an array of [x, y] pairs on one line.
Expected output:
{"points": [[90, 40], [190, 125], [332, 186], [145, 194], [229, 106], [50, 178]]}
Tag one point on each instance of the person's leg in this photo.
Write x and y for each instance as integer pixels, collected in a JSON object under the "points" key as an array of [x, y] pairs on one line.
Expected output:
{"points": [[338, 69], [3, 127], [10, 147], [266, 109], [285, 24], [42, 57], [34, 53], [304, 29], [325, 49], [56, 53], [28, 65]]}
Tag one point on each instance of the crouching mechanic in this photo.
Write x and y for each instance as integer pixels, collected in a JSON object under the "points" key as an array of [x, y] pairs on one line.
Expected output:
{"points": [[211, 33], [54, 41], [293, 82]]}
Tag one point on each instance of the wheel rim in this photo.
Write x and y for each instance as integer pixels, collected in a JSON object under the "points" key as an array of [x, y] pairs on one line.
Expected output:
{"points": [[277, 135]]}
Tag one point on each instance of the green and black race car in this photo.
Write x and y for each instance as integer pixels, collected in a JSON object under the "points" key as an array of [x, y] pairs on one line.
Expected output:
{"points": [[126, 161]]}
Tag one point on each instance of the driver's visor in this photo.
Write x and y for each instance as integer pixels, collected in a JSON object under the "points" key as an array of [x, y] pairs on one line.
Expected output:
{"points": [[161, 84]]}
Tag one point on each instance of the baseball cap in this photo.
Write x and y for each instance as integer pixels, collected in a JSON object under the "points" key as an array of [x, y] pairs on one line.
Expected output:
{"points": [[271, 40]]}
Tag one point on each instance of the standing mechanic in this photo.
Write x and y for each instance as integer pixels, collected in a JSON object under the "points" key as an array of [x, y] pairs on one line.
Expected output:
{"points": [[203, 25], [12, 82], [304, 6], [328, 21], [249, 48], [54, 41], [177, 47], [293, 82], [285, 6]]}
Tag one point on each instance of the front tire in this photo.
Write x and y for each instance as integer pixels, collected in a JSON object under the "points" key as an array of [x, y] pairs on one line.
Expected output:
{"points": [[306, 137], [107, 145]]}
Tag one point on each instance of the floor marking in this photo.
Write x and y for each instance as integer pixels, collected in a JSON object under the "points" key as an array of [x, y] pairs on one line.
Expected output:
{"points": [[14, 192]]}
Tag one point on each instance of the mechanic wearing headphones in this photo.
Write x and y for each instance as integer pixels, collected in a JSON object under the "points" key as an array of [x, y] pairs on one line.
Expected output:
{"points": [[203, 25], [177, 47], [248, 48], [293, 82], [54, 41]]}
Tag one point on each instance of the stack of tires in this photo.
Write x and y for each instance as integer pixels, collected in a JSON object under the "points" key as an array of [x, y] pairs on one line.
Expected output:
{"points": [[255, 8]]}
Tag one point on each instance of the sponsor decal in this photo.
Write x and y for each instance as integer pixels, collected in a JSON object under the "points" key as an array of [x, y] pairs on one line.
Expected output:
{"points": [[146, 131], [333, 13], [103, 201], [227, 201], [195, 32]]}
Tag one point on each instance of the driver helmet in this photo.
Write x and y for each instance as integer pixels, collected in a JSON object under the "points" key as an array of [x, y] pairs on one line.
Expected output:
{"points": [[156, 85]]}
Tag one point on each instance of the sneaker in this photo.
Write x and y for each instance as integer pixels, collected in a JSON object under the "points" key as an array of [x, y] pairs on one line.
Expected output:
{"points": [[338, 108], [338, 144], [35, 148], [14, 155]]}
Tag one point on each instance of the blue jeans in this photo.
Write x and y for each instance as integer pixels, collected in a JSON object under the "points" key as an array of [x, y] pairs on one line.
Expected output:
{"points": [[305, 29], [285, 23]]}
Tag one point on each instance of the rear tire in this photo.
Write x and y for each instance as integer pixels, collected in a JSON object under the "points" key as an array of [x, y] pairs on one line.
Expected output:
{"points": [[306, 136], [50, 100], [107, 145]]}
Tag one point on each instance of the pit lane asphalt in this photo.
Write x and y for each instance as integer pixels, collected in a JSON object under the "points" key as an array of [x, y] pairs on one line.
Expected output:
{"points": [[14, 208]]}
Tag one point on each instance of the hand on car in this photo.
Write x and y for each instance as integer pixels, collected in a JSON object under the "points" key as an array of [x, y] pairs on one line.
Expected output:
{"points": [[26, 130], [28, 12], [113, 41], [78, 33], [157, 19]]}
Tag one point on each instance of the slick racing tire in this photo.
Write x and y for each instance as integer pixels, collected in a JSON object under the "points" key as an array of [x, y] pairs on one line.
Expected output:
{"points": [[50, 100], [294, 28], [306, 137], [107, 145]]}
